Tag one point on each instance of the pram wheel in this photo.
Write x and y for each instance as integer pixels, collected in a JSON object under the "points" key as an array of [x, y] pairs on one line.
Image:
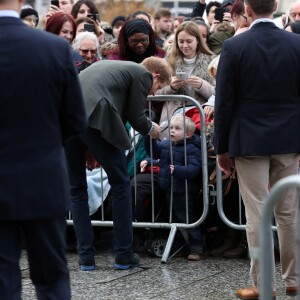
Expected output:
{"points": [[155, 248]]}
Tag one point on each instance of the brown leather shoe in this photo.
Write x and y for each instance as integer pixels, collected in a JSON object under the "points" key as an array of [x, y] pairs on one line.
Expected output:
{"points": [[291, 290], [250, 293], [194, 257]]}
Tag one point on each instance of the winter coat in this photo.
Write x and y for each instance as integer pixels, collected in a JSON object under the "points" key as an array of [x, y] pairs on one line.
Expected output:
{"points": [[191, 172]]}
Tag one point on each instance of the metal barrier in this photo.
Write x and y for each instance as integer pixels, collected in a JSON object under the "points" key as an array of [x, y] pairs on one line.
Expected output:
{"points": [[172, 226], [222, 215], [265, 253]]}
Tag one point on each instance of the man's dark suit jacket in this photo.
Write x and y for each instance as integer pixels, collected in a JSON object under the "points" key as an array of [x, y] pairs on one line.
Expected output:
{"points": [[41, 106], [257, 110], [115, 92]]}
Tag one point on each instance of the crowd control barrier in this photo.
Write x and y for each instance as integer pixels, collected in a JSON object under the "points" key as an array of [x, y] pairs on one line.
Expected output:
{"points": [[205, 189], [219, 196], [265, 253]]}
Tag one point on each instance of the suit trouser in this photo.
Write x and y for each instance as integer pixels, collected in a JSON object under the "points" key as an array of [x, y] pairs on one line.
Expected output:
{"points": [[113, 161], [255, 174], [45, 245]]}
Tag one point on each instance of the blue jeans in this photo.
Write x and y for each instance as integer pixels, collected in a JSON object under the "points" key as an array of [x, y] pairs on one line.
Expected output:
{"points": [[179, 216], [113, 161]]}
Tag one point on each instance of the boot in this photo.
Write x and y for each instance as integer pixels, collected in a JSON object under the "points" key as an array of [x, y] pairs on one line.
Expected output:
{"points": [[231, 240], [241, 249]]}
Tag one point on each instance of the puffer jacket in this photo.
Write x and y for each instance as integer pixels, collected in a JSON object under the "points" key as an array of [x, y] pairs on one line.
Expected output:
{"points": [[191, 172]]}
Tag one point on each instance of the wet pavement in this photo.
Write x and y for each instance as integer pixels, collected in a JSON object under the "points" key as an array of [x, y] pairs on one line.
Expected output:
{"points": [[208, 279]]}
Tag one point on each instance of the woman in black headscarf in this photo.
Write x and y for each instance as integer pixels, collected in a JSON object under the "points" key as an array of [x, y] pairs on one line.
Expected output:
{"points": [[136, 42]]}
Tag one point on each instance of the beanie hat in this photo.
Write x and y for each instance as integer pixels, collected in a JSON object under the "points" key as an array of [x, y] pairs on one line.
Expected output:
{"points": [[25, 12], [118, 19]]}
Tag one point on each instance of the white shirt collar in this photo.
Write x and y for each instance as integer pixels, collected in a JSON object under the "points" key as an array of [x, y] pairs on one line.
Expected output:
{"points": [[261, 20], [9, 13]]}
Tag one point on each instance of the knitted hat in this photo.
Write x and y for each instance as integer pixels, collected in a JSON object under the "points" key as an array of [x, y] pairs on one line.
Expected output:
{"points": [[25, 12], [118, 20]]}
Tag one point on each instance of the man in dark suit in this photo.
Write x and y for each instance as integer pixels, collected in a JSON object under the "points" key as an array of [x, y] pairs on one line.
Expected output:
{"points": [[41, 106], [114, 92], [257, 122]]}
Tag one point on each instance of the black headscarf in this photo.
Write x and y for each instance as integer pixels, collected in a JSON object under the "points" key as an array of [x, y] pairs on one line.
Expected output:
{"points": [[136, 26], [139, 26]]}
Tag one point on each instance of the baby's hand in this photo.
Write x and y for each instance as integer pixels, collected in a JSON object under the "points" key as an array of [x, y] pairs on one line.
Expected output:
{"points": [[172, 169], [143, 165]]}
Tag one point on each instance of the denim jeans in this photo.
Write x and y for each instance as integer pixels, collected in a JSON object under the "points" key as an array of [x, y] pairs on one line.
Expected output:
{"points": [[113, 161]]}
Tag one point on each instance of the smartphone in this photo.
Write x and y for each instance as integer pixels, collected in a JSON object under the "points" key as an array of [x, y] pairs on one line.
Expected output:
{"points": [[89, 27], [55, 3], [219, 13], [181, 75], [287, 19], [94, 17]]}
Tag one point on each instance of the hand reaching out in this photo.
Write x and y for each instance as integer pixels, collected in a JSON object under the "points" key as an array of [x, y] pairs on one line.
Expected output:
{"points": [[172, 169], [53, 10], [155, 132], [209, 111]]}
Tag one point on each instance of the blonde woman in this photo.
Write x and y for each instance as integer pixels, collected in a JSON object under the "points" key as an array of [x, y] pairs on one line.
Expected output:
{"points": [[189, 60]]}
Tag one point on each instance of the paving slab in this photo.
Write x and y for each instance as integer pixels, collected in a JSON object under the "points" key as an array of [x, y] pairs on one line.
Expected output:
{"points": [[208, 279]]}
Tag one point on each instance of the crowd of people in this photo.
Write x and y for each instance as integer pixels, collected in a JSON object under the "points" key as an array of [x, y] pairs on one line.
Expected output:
{"points": [[234, 62]]}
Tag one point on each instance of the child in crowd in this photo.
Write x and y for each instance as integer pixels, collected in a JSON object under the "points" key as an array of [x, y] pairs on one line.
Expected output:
{"points": [[175, 170]]}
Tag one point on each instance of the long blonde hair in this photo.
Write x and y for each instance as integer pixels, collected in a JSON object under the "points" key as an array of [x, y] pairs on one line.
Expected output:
{"points": [[192, 29]]}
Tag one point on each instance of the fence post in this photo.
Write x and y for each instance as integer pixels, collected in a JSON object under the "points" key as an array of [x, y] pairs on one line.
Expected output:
{"points": [[266, 251]]}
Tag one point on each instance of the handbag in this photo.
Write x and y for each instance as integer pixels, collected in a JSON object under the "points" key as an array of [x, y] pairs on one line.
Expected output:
{"points": [[227, 180]]}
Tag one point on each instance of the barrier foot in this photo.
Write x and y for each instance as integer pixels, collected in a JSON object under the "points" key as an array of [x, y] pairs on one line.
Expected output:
{"points": [[169, 244]]}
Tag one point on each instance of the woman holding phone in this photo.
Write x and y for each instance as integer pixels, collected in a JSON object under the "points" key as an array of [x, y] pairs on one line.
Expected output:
{"points": [[189, 60], [83, 8], [60, 6]]}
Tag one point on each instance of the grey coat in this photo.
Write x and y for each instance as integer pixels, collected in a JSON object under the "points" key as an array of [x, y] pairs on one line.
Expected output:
{"points": [[115, 92]]}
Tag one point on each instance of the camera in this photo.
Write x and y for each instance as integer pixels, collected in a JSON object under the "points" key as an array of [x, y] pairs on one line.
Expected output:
{"points": [[55, 3], [94, 17]]}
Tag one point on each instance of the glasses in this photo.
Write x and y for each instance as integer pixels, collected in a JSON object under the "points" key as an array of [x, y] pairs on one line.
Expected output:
{"points": [[86, 51], [246, 19], [137, 41]]}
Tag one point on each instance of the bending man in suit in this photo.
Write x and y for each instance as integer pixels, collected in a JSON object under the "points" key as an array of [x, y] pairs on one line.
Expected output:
{"points": [[114, 92], [41, 106], [257, 122]]}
